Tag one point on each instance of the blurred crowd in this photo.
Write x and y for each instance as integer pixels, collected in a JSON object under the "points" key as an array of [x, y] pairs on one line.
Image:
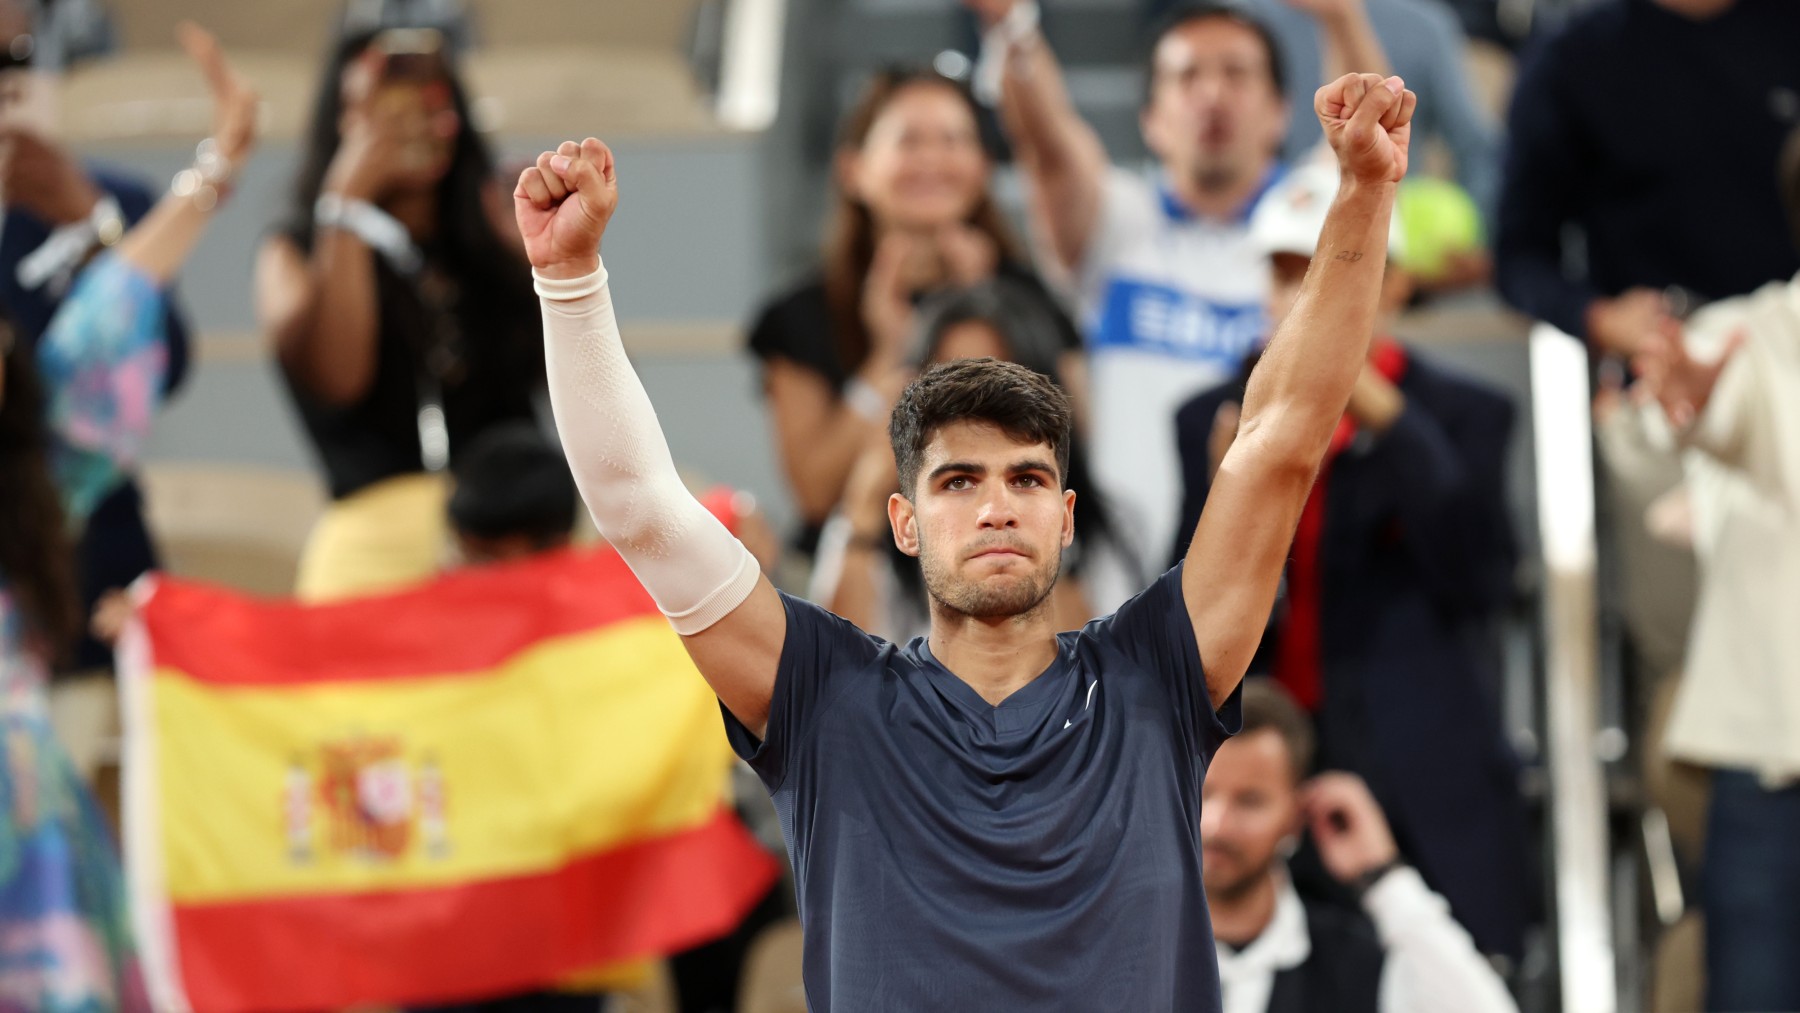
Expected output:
{"points": [[1369, 844]]}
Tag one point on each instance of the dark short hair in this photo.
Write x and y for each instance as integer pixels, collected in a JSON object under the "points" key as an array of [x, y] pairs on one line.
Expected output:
{"points": [[1024, 403], [513, 481], [1790, 181], [1205, 10], [1268, 706]]}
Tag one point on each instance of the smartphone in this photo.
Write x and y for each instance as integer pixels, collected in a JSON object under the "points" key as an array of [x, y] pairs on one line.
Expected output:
{"points": [[411, 54], [415, 84]]}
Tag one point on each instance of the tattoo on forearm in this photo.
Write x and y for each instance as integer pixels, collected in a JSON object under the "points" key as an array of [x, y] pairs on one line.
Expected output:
{"points": [[1352, 256]]}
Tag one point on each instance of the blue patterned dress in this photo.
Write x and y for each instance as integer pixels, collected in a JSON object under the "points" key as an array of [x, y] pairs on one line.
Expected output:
{"points": [[65, 942]]}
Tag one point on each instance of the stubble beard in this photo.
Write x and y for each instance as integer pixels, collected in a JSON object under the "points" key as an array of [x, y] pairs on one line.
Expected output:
{"points": [[1215, 176], [1019, 597], [1239, 887]]}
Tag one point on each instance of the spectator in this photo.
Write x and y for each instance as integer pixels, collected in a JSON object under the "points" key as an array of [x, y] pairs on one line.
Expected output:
{"points": [[73, 413], [865, 578], [1737, 711], [1665, 222], [58, 212], [912, 213], [1425, 44], [1402, 953], [1402, 557], [514, 497], [399, 306], [1170, 290]]}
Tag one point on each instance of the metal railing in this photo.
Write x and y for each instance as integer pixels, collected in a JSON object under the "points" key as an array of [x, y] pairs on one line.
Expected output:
{"points": [[1578, 802]]}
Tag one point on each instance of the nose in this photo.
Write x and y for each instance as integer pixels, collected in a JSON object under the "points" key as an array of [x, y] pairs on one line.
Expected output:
{"points": [[998, 510], [1212, 816], [1207, 88]]}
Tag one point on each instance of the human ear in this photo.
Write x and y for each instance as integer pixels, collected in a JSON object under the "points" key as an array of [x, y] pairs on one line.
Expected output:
{"points": [[905, 521]]}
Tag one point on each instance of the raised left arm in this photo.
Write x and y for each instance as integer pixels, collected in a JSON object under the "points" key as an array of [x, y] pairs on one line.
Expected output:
{"points": [[1300, 387], [104, 356], [1347, 39]]}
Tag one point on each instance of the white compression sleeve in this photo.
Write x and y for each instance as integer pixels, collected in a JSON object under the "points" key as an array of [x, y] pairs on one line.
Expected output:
{"points": [[694, 568]]}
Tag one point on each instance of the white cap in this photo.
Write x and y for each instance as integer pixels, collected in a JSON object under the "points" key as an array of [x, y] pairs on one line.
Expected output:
{"points": [[1289, 218]]}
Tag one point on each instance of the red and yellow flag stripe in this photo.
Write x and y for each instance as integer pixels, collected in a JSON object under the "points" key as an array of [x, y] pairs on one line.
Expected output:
{"points": [[488, 783]]}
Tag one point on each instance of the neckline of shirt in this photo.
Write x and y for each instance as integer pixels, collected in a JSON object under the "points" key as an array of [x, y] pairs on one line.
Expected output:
{"points": [[1021, 708], [1180, 213]]}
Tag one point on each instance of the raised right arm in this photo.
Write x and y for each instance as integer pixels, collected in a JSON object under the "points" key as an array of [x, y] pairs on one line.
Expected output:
{"points": [[730, 618], [1060, 153]]}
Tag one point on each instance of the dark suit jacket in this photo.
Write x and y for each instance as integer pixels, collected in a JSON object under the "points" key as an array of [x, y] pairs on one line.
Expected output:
{"points": [[115, 546], [1417, 560]]}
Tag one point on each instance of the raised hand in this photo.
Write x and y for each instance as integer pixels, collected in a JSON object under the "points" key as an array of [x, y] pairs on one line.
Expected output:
{"points": [[1347, 825], [1375, 402], [989, 11], [385, 144], [1680, 383], [1327, 9], [969, 256], [1625, 323], [234, 101], [1368, 121], [873, 478], [887, 308], [563, 204]]}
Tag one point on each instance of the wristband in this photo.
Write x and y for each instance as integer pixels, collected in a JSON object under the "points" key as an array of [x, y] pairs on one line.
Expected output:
{"points": [[206, 180], [381, 231], [68, 246], [1361, 885]]}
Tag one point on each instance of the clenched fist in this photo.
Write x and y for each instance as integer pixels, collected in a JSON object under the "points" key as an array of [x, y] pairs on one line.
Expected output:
{"points": [[1368, 120], [563, 204]]}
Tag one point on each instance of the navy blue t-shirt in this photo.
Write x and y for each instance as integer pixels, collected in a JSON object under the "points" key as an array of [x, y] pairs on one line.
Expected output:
{"points": [[1039, 855]]}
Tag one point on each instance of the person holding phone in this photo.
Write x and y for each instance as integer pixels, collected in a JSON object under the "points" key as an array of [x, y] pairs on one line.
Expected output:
{"points": [[398, 304]]}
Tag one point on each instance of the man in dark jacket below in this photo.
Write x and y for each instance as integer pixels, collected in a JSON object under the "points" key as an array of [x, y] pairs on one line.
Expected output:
{"points": [[1402, 557], [1666, 224], [1279, 953]]}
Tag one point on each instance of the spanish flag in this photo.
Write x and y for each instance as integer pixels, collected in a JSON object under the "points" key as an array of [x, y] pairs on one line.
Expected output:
{"points": [[481, 786]]}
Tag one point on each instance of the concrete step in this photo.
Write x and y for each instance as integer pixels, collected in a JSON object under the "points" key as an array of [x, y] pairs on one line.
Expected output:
{"points": [[156, 95], [302, 27]]}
